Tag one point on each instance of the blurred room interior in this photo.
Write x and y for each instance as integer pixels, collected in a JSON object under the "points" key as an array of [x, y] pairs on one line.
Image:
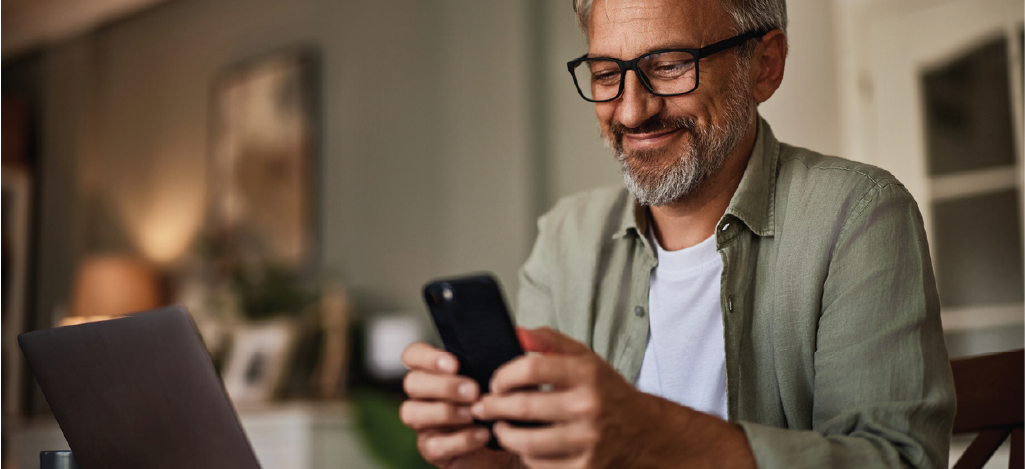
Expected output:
{"points": [[294, 172]]}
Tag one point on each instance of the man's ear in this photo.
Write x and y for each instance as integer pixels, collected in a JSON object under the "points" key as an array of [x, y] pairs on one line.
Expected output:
{"points": [[767, 64]]}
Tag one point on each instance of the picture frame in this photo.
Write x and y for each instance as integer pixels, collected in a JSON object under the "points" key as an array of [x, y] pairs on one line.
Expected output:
{"points": [[258, 360], [265, 128]]}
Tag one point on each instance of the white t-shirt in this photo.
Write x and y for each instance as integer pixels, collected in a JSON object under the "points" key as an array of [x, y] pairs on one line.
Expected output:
{"points": [[685, 359]]}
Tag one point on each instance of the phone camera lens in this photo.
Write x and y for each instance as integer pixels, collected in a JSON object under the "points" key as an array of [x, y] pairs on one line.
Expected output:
{"points": [[446, 293]]}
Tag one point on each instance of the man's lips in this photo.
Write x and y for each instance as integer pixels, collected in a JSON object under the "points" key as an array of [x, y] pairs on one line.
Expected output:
{"points": [[650, 139]]}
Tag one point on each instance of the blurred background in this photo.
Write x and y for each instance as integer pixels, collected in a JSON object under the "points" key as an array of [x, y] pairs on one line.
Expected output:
{"points": [[294, 172]]}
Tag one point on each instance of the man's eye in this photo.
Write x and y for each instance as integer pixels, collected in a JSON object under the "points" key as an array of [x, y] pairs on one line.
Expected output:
{"points": [[670, 70], [605, 77]]}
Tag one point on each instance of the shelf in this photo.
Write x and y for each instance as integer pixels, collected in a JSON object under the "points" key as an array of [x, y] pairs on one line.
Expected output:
{"points": [[300, 435]]}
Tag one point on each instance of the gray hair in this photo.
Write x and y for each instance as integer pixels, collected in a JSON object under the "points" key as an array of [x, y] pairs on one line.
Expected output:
{"points": [[748, 15]]}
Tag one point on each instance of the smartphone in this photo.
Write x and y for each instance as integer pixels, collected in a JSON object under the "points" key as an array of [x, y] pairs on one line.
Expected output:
{"points": [[471, 316]]}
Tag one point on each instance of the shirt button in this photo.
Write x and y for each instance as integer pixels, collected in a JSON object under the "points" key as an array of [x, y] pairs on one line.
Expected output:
{"points": [[639, 311], [724, 226], [729, 303]]}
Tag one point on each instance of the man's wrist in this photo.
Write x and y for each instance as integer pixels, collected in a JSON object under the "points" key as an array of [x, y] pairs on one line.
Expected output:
{"points": [[514, 462], [682, 436]]}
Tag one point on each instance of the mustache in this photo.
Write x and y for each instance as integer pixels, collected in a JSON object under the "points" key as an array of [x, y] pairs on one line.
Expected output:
{"points": [[656, 123]]}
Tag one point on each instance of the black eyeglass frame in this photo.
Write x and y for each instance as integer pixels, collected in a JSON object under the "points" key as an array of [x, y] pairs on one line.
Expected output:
{"points": [[627, 65]]}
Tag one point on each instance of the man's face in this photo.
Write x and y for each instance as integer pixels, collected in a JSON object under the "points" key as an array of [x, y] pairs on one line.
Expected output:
{"points": [[668, 146]]}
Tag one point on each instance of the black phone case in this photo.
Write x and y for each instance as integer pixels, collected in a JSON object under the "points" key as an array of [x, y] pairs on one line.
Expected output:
{"points": [[471, 316]]}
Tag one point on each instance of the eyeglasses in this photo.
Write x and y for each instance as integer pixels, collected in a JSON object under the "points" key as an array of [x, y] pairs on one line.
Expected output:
{"points": [[668, 72]]}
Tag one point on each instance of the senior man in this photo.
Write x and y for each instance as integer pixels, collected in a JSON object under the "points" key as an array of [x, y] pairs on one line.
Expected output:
{"points": [[740, 303]]}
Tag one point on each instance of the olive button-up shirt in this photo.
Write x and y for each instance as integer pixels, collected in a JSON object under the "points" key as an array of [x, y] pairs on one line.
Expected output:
{"points": [[834, 347]]}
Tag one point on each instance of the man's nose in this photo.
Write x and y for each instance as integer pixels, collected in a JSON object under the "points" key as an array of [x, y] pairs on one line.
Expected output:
{"points": [[637, 104]]}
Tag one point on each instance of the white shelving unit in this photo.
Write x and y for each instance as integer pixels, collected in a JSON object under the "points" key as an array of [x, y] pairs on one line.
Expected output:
{"points": [[285, 436]]}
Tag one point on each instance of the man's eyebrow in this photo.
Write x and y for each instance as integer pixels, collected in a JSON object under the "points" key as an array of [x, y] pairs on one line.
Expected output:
{"points": [[667, 46]]}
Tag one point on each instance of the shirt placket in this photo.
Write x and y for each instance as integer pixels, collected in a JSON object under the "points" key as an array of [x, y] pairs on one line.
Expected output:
{"points": [[731, 300], [636, 306]]}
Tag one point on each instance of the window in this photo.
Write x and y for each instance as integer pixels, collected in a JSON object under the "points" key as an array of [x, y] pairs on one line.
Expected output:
{"points": [[972, 130]]}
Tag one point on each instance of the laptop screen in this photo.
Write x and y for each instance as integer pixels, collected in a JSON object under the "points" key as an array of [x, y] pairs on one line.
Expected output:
{"points": [[138, 392]]}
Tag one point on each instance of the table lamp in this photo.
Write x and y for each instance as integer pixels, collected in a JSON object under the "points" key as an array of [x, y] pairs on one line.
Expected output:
{"points": [[111, 285]]}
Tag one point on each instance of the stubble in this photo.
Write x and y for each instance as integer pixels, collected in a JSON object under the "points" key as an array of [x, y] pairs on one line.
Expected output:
{"points": [[654, 176]]}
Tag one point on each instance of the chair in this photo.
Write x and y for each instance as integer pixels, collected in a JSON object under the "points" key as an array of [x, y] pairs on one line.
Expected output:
{"points": [[990, 395]]}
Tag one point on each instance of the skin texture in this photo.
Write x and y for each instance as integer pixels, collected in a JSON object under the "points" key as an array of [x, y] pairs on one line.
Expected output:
{"points": [[438, 409], [664, 150], [594, 417], [627, 28]]}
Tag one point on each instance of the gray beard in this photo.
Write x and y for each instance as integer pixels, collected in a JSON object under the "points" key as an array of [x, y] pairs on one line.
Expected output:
{"points": [[706, 154]]}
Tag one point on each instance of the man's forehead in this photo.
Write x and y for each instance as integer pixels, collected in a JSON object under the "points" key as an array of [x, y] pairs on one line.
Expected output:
{"points": [[627, 10], [638, 26]]}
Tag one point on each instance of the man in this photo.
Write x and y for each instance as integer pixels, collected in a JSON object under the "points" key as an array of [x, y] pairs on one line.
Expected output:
{"points": [[743, 303]]}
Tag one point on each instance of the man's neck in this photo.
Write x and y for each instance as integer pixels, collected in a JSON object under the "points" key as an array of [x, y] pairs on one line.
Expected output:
{"points": [[692, 219]]}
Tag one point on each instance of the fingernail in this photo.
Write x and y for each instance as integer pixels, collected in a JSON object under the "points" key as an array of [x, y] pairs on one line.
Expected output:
{"points": [[466, 390], [481, 434], [477, 409], [447, 364], [464, 413]]}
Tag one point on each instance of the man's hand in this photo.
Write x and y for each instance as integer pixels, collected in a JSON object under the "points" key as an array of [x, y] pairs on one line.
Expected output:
{"points": [[590, 407], [438, 410], [596, 419]]}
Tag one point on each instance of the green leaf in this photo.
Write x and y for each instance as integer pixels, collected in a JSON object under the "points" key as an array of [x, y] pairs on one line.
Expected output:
{"points": [[390, 441]]}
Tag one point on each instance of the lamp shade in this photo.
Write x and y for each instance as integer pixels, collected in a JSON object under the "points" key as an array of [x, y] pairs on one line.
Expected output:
{"points": [[114, 285]]}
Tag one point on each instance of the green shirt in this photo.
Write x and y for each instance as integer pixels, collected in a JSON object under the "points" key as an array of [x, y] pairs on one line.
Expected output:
{"points": [[834, 347]]}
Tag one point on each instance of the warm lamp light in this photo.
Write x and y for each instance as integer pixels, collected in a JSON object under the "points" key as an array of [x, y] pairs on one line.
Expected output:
{"points": [[112, 285], [164, 216]]}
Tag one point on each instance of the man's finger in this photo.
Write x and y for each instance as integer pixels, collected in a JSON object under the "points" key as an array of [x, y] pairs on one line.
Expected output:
{"points": [[421, 415], [533, 406], [438, 447], [420, 356], [531, 371], [424, 385], [551, 442], [547, 340]]}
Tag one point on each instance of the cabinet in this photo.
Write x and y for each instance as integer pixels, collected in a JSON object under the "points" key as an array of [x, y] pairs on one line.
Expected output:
{"points": [[283, 436]]}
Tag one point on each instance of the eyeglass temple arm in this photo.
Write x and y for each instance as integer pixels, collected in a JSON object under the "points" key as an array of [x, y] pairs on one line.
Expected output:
{"points": [[728, 43]]}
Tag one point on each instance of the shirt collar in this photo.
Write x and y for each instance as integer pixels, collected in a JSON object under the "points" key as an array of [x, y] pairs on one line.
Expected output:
{"points": [[753, 202]]}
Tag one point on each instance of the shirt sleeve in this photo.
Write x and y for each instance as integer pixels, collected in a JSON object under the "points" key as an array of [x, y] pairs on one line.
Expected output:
{"points": [[535, 304], [883, 390]]}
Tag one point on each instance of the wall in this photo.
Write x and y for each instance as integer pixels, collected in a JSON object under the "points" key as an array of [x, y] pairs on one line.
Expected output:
{"points": [[424, 169], [805, 109]]}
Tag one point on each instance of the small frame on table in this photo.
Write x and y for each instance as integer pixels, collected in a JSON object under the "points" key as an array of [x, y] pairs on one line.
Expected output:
{"points": [[258, 360]]}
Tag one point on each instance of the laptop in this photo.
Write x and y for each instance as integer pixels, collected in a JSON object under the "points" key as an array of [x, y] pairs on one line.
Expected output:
{"points": [[138, 392]]}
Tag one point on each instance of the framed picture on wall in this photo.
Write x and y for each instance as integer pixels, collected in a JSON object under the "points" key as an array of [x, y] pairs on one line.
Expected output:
{"points": [[265, 127]]}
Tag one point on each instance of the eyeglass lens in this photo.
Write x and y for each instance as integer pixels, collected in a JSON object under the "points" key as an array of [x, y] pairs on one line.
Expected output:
{"points": [[668, 73]]}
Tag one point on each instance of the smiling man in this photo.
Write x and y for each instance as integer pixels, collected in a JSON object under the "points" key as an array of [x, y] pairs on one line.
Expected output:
{"points": [[740, 303]]}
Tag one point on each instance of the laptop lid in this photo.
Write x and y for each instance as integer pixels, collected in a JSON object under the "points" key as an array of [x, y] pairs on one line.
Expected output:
{"points": [[138, 392]]}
